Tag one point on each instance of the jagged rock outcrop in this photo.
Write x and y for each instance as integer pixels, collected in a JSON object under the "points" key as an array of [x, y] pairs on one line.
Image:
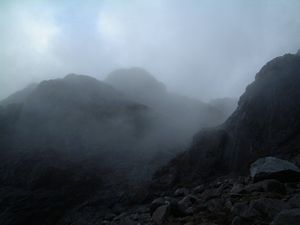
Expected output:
{"points": [[266, 122], [291, 217]]}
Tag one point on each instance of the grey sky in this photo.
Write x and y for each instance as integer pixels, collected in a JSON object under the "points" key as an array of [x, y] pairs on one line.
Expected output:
{"points": [[201, 48]]}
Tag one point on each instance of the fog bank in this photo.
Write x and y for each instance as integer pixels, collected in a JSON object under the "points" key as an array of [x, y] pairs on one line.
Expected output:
{"points": [[204, 49]]}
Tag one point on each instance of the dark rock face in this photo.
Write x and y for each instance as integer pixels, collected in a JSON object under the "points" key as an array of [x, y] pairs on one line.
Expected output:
{"points": [[261, 208], [271, 167], [160, 214], [267, 119], [291, 217], [266, 122], [294, 202], [39, 188]]}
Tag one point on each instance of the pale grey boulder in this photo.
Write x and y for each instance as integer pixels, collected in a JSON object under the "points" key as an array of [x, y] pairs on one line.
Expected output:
{"points": [[274, 168]]}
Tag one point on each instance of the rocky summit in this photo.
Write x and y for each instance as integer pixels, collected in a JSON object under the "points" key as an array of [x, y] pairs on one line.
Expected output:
{"points": [[265, 123]]}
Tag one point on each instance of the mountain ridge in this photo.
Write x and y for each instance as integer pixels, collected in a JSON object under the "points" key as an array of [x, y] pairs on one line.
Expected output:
{"points": [[256, 128]]}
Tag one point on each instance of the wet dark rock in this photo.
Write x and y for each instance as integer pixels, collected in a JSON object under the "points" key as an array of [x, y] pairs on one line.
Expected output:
{"points": [[274, 168], [269, 207], [171, 200], [291, 188], [215, 205], [156, 203], [181, 192], [287, 217], [161, 214], [199, 189], [109, 216], [237, 188], [208, 224], [260, 208], [266, 186], [242, 210], [210, 193], [294, 201], [185, 204], [236, 221]]}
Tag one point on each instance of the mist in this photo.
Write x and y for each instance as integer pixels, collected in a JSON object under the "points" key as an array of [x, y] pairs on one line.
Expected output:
{"points": [[119, 112], [203, 49]]}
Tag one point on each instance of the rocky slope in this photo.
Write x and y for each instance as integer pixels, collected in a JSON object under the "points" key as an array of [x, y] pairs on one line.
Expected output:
{"points": [[228, 200], [266, 122]]}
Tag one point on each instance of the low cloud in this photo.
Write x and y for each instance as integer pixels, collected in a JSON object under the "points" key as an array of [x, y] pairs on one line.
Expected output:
{"points": [[205, 49]]}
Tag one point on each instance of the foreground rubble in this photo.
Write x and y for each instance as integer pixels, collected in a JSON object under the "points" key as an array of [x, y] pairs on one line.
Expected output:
{"points": [[226, 200]]}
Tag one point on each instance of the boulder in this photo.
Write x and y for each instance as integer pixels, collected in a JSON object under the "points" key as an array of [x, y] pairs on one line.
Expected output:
{"points": [[273, 186], [260, 208], [186, 203], [242, 210], [236, 221], [215, 205], [294, 202], [181, 192], [287, 217], [199, 189], [161, 214], [211, 193], [270, 185], [267, 207], [156, 203], [274, 168], [237, 189]]}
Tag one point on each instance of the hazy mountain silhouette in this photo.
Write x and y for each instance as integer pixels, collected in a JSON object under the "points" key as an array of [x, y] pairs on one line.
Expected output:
{"points": [[19, 96], [185, 113], [225, 105], [87, 138]]}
